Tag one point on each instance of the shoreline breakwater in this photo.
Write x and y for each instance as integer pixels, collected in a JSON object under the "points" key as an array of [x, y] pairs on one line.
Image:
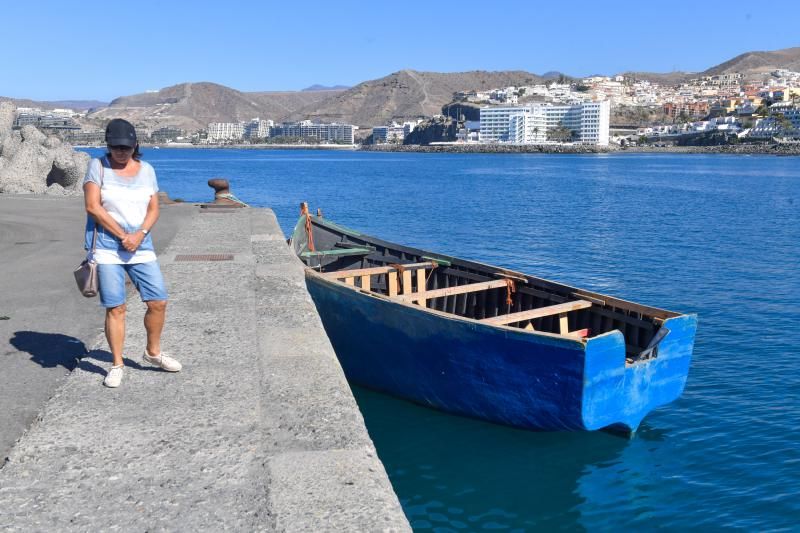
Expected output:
{"points": [[34, 163], [765, 149]]}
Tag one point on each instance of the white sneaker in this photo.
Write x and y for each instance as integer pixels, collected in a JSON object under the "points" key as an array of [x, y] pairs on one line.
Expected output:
{"points": [[114, 377], [163, 361]]}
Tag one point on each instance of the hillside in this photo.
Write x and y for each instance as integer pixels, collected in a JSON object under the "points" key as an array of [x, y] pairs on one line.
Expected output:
{"points": [[756, 64], [193, 105], [405, 94]]}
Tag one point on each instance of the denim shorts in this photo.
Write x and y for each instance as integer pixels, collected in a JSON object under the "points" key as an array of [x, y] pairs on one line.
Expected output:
{"points": [[146, 277]]}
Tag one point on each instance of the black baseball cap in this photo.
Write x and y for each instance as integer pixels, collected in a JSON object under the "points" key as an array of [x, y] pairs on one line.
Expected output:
{"points": [[120, 132]]}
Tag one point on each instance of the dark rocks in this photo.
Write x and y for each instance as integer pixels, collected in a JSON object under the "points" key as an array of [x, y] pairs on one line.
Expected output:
{"points": [[492, 148], [33, 163], [761, 148], [749, 148]]}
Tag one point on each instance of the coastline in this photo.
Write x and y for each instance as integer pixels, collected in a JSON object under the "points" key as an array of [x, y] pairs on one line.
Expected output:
{"points": [[742, 149], [342, 147]]}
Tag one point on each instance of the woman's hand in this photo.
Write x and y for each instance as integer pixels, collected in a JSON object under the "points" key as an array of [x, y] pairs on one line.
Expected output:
{"points": [[131, 241]]}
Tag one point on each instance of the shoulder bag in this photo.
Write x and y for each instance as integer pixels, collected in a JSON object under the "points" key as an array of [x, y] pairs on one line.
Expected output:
{"points": [[86, 273]]}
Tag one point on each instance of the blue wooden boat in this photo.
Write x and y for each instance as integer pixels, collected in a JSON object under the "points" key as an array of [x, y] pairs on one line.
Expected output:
{"points": [[488, 342]]}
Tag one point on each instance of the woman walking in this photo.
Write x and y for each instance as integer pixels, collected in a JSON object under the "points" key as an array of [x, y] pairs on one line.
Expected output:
{"points": [[122, 206]]}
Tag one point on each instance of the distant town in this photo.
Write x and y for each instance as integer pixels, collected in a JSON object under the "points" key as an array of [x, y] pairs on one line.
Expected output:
{"points": [[721, 109]]}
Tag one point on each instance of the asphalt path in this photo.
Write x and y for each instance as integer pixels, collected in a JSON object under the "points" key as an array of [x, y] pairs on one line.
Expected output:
{"points": [[45, 324]]}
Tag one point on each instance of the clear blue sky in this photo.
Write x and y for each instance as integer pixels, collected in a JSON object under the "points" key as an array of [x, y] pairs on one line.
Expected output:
{"points": [[100, 50]]}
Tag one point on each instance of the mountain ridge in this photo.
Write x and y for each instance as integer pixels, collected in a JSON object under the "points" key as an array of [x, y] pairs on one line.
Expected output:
{"points": [[405, 94], [758, 62]]}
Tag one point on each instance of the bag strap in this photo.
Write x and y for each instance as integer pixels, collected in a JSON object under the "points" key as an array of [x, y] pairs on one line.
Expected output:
{"points": [[94, 233]]}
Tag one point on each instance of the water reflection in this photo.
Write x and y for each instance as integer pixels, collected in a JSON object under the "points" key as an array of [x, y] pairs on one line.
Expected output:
{"points": [[453, 473]]}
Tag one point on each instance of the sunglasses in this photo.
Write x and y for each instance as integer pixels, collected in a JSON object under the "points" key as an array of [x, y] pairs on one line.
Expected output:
{"points": [[122, 148]]}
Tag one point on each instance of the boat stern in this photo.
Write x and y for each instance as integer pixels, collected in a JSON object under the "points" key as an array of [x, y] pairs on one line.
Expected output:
{"points": [[618, 394]]}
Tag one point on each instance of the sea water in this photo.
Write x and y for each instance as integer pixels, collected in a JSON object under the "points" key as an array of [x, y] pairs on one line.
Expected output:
{"points": [[716, 235]]}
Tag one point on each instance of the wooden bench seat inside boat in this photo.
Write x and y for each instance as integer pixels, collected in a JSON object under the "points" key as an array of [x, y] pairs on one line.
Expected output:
{"points": [[539, 312], [374, 271], [449, 291]]}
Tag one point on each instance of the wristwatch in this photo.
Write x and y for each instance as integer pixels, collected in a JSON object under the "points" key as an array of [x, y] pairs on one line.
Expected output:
{"points": [[145, 231]]}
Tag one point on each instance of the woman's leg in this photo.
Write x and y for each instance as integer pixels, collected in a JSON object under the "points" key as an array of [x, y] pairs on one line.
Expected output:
{"points": [[149, 282], [112, 297], [115, 331], [154, 324]]}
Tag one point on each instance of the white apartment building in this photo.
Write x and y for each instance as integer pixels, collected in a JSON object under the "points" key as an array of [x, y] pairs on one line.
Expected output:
{"points": [[225, 131], [385, 134], [258, 129], [327, 133], [559, 91], [530, 124], [769, 126], [610, 90], [393, 133]]}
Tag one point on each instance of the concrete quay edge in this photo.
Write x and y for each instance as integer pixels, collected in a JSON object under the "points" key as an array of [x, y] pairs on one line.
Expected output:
{"points": [[259, 432]]}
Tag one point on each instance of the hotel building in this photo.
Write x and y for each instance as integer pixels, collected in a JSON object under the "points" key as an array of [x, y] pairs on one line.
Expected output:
{"points": [[530, 124], [336, 133], [394, 133], [257, 129], [225, 131]]}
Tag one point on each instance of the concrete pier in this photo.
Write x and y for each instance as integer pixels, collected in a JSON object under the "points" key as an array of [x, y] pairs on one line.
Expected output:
{"points": [[259, 432]]}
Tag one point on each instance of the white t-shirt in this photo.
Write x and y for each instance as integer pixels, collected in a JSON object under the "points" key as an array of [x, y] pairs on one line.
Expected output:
{"points": [[126, 200]]}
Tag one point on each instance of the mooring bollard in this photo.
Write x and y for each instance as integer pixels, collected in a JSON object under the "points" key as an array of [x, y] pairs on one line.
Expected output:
{"points": [[223, 195]]}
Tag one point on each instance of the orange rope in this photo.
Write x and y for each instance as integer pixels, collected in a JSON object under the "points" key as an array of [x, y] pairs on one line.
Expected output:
{"points": [[309, 230], [434, 264], [510, 289]]}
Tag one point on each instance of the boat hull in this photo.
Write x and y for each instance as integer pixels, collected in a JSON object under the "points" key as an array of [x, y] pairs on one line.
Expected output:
{"points": [[504, 375]]}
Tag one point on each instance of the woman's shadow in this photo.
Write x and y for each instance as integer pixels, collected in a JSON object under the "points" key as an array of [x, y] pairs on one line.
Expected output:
{"points": [[55, 349]]}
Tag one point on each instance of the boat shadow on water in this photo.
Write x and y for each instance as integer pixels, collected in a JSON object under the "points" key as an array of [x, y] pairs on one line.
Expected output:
{"points": [[464, 474]]}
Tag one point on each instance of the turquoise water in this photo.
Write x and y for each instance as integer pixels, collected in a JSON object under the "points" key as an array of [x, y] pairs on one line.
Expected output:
{"points": [[713, 234]]}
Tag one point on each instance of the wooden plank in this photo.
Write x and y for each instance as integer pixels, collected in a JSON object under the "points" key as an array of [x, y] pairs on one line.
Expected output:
{"points": [[407, 288], [391, 282], [365, 282], [371, 271], [350, 281], [449, 291], [421, 287], [563, 323], [538, 313]]}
